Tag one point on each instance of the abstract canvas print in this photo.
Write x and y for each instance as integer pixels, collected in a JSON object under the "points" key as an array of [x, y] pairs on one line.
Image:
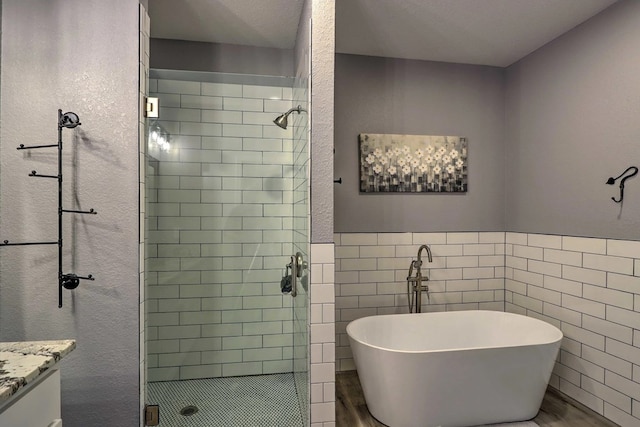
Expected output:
{"points": [[412, 163]]}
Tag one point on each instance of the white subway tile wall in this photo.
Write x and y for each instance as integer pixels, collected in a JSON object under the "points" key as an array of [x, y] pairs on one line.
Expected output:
{"points": [[323, 335], [587, 287], [220, 232], [467, 273], [590, 289]]}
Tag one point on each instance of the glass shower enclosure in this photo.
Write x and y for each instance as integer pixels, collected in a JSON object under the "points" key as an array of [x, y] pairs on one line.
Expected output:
{"points": [[226, 210]]}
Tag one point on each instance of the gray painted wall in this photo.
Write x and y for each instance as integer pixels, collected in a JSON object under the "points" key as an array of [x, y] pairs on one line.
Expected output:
{"points": [[323, 51], [218, 57], [0, 110], [303, 41], [80, 56], [572, 122], [384, 95]]}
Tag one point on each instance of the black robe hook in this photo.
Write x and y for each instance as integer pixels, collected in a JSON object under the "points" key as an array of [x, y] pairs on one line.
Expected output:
{"points": [[612, 181]]}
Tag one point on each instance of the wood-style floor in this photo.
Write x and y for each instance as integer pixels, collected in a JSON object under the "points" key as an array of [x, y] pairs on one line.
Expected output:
{"points": [[557, 410]]}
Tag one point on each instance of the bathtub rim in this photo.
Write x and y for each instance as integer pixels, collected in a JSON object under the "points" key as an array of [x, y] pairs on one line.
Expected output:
{"points": [[559, 334]]}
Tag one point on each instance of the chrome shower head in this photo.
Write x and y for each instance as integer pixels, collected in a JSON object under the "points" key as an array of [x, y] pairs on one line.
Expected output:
{"points": [[281, 120]]}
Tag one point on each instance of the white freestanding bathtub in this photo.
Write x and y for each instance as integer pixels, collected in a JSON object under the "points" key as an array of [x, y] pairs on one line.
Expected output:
{"points": [[459, 368]]}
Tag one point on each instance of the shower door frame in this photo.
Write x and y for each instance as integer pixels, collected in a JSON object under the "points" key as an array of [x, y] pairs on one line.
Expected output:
{"points": [[303, 352]]}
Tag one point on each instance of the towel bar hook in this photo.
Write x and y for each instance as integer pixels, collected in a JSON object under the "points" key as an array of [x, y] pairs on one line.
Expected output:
{"points": [[624, 177]]}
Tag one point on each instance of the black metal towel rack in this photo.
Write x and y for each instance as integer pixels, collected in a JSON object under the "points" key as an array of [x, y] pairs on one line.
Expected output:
{"points": [[65, 280]]}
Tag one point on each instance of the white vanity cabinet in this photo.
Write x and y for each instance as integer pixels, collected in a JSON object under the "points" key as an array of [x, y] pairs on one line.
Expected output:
{"points": [[30, 383], [37, 405]]}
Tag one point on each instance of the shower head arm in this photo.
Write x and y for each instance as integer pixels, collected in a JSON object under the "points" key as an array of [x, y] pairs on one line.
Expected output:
{"points": [[297, 109]]}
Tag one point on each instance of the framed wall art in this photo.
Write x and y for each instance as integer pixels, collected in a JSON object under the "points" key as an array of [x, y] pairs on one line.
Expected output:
{"points": [[412, 163]]}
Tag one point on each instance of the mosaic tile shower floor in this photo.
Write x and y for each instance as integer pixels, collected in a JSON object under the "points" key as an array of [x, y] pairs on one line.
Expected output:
{"points": [[251, 401]]}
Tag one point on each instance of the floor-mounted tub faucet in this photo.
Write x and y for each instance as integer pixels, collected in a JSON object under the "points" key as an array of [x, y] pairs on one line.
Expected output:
{"points": [[414, 283]]}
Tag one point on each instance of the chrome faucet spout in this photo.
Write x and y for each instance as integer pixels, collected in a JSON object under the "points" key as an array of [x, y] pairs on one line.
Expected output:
{"points": [[414, 283], [423, 247]]}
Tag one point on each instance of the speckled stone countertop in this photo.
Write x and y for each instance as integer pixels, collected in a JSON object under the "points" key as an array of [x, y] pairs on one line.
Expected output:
{"points": [[22, 362]]}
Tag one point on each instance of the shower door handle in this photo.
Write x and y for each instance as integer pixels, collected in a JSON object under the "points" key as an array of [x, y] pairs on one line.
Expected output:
{"points": [[297, 265], [294, 276]]}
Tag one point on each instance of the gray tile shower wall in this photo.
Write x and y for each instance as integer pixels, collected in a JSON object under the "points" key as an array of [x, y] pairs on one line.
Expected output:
{"points": [[587, 287], [220, 227]]}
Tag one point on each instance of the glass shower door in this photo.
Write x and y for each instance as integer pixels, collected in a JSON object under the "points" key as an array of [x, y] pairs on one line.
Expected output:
{"points": [[226, 209]]}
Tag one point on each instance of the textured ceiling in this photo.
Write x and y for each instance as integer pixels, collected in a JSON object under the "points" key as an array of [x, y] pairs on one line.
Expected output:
{"points": [[488, 32], [263, 23]]}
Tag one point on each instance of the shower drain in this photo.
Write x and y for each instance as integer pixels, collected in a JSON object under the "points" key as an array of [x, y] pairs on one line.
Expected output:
{"points": [[189, 410]]}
